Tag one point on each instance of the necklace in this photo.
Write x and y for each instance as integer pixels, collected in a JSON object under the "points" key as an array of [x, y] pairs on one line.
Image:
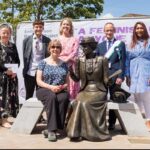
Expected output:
{"points": [[90, 65]]}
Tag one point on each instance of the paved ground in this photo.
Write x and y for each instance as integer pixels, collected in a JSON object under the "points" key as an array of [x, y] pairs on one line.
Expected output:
{"points": [[120, 140]]}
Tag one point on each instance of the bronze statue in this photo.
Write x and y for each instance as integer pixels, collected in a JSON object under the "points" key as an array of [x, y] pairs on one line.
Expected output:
{"points": [[88, 118]]}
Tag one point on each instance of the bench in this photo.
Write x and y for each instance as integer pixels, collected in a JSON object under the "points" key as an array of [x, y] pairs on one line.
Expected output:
{"points": [[28, 116], [128, 115], [130, 118]]}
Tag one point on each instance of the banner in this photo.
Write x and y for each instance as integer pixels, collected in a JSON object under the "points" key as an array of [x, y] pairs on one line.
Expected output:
{"points": [[124, 28]]}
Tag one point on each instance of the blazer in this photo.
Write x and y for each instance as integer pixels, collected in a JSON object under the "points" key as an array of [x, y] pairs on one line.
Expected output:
{"points": [[27, 51], [99, 74], [116, 61]]}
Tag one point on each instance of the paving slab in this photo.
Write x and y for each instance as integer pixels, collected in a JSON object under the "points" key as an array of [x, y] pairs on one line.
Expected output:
{"points": [[10, 140]]}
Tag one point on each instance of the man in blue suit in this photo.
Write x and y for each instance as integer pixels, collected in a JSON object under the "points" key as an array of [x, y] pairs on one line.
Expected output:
{"points": [[35, 48], [115, 51]]}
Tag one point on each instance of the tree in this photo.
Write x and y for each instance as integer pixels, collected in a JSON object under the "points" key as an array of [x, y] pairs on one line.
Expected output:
{"points": [[15, 11], [9, 11]]}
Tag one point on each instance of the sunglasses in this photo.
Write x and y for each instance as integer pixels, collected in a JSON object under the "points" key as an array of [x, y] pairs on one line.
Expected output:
{"points": [[58, 47]]}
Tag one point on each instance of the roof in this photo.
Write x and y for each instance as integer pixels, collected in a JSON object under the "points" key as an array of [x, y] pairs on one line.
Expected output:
{"points": [[135, 15]]}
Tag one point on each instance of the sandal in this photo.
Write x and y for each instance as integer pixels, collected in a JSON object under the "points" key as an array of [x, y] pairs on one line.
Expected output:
{"points": [[0, 121], [147, 123], [6, 123]]}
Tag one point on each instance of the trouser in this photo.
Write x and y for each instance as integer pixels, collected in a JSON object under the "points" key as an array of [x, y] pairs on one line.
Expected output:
{"points": [[55, 106], [30, 84], [143, 102], [112, 114]]}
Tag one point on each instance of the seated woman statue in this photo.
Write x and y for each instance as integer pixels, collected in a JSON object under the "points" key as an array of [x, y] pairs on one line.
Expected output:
{"points": [[88, 118]]}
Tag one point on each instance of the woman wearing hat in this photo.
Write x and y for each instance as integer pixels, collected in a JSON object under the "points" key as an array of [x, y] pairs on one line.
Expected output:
{"points": [[88, 119]]}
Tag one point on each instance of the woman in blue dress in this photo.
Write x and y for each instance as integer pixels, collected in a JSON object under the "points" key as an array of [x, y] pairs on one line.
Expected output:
{"points": [[138, 69], [52, 75]]}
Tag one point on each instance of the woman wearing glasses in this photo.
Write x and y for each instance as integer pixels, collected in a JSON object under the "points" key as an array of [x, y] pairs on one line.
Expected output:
{"points": [[51, 78]]}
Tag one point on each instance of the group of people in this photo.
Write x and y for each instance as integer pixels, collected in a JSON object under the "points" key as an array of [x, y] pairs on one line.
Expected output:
{"points": [[59, 75]]}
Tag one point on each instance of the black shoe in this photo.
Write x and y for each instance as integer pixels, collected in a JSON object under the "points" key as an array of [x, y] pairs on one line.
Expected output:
{"points": [[76, 139], [42, 120], [111, 127]]}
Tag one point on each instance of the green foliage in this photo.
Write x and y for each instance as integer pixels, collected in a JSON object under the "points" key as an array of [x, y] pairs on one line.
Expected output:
{"points": [[15, 11]]}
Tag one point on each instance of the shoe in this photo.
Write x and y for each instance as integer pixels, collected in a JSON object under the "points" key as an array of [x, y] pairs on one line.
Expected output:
{"points": [[42, 120], [45, 133], [111, 127], [52, 137], [147, 123], [143, 115], [61, 134], [0, 121], [5, 123], [76, 139]]}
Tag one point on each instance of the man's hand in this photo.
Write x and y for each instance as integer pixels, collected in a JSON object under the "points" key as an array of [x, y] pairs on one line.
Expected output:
{"points": [[119, 81]]}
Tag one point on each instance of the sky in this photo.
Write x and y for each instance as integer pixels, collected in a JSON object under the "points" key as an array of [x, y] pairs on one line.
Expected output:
{"points": [[120, 7]]}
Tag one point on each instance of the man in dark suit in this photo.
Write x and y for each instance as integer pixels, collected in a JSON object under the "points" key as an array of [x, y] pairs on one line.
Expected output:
{"points": [[116, 61], [34, 50]]}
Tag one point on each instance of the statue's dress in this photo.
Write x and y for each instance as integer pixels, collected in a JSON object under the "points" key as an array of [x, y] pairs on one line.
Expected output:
{"points": [[88, 119]]}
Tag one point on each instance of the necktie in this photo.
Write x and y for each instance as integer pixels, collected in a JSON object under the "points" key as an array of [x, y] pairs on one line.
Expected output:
{"points": [[109, 45]]}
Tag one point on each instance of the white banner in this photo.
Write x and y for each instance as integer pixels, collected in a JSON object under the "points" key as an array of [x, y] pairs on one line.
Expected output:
{"points": [[124, 28]]}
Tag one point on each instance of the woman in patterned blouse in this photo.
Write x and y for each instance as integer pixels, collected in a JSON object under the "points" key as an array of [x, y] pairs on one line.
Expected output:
{"points": [[52, 75]]}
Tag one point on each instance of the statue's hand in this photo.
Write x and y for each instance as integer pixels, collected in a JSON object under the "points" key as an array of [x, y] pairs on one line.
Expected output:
{"points": [[110, 82], [70, 69], [72, 74]]}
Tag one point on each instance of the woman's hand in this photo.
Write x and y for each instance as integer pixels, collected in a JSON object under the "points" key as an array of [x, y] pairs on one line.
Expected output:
{"points": [[148, 82], [128, 81], [55, 88], [58, 88], [13, 75], [64, 86], [9, 72]]}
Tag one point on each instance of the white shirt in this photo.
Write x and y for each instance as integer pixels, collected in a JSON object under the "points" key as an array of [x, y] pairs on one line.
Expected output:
{"points": [[111, 42], [37, 55]]}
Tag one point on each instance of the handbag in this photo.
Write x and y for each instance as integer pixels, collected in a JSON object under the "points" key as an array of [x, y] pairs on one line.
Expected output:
{"points": [[120, 95]]}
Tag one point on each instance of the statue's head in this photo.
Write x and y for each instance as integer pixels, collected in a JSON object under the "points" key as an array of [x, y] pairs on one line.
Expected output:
{"points": [[88, 44]]}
